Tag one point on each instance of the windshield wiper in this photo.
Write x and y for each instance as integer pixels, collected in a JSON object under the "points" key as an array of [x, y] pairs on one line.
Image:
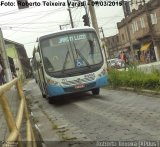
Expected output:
{"points": [[65, 61], [48, 64], [64, 64], [80, 54]]}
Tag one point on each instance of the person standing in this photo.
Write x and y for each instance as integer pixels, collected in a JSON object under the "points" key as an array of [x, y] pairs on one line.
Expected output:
{"points": [[1, 74], [123, 58]]}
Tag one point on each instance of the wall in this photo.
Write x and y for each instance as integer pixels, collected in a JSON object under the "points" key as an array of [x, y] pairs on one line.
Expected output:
{"points": [[112, 44], [12, 52]]}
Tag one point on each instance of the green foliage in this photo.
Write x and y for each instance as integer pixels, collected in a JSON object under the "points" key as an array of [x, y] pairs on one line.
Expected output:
{"points": [[134, 78], [114, 78]]}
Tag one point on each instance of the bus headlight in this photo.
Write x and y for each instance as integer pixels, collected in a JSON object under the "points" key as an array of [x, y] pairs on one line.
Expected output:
{"points": [[103, 72], [52, 82]]}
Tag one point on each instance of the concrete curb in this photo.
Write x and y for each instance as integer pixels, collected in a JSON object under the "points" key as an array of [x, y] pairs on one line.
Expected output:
{"points": [[143, 91]]}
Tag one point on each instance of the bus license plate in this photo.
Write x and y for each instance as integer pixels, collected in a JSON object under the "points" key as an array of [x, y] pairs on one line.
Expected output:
{"points": [[79, 86]]}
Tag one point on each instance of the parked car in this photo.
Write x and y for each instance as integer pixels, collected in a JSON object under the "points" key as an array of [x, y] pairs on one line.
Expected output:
{"points": [[112, 62], [116, 63], [120, 63]]}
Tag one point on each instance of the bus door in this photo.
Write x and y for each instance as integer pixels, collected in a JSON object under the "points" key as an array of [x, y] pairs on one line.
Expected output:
{"points": [[41, 77]]}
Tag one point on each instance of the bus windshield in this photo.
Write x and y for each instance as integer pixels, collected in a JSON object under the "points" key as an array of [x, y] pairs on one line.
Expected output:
{"points": [[70, 51]]}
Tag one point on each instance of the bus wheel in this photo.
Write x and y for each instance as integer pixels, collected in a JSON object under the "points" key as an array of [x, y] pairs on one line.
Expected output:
{"points": [[44, 95], [50, 100], [95, 91]]}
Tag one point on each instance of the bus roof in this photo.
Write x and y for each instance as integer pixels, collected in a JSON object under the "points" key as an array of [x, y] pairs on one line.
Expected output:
{"points": [[68, 30]]}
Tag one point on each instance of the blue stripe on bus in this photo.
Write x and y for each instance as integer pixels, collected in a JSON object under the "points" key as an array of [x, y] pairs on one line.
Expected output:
{"points": [[102, 81], [57, 90]]}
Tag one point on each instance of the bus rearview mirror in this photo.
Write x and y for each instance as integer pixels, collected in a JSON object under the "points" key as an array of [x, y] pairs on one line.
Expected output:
{"points": [[38, 59]]}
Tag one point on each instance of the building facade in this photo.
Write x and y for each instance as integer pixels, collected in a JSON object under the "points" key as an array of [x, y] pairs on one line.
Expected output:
{"points": [[19, 62], [112, 44], [144, 31], [136, 3]]}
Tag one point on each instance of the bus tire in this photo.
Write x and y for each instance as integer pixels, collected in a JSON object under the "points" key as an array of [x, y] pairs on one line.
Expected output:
{"points": [[96, 91], [50, 100], [44, 95]]}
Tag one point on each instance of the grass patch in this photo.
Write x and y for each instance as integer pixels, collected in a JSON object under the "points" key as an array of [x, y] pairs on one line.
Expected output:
{"points": [[55, 126], [134, 78]]}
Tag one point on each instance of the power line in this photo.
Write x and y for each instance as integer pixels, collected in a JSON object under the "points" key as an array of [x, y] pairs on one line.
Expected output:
{"points": [[80, 18], [27, 31], [33, 20], [111, 19], [114, 16], [110, 27], [29, 43], [39, 23], [75, 14], [13, 12], [36, 28], [17, 10], [24, 17]]}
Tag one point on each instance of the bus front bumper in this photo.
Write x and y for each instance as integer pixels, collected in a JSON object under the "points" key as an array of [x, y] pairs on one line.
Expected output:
{"points": [[57, 90]]}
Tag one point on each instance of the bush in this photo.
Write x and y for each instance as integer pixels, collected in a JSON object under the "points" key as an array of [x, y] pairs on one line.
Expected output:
{"points": [[113, 78], [134, 78]]}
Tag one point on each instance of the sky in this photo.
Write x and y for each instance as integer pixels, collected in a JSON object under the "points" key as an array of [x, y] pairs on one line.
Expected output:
{"points": [[25, 25]]}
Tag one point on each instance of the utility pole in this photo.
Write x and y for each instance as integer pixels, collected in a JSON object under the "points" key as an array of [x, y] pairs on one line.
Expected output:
{"points": [[85, 7], [128, 30], [93, 17], [70, 15], [5, 61], [101, 30]]}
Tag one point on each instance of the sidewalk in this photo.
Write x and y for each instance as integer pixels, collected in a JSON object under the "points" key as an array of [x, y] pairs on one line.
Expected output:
{"points": [[14, 104], [54, 129]]}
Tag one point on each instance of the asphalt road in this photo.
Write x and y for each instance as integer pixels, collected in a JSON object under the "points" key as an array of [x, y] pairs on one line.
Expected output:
{"points": [[113, 115]]}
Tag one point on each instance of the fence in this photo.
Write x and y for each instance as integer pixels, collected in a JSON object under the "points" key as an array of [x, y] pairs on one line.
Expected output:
{"points": [[14, 124]]}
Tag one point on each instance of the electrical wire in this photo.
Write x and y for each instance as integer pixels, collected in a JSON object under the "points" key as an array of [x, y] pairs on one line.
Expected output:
{"points": [[111, 19], [56, 11], [17, 10], [80, 18], [74, 16], [33, 20], [22, 18]]}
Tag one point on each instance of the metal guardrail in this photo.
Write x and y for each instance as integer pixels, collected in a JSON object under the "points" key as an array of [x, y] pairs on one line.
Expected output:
{"points": [[14, 124]]}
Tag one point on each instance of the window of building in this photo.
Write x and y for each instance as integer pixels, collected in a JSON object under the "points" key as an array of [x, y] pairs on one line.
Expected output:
{"points": [[117, 39], [123, 37], [142, 22], [108, 42], [133, 30], [135, 25], [113, 40], [153, 18]]}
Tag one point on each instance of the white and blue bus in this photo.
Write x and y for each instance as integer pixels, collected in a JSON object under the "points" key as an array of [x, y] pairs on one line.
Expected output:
{"points": [[69, 61]]}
